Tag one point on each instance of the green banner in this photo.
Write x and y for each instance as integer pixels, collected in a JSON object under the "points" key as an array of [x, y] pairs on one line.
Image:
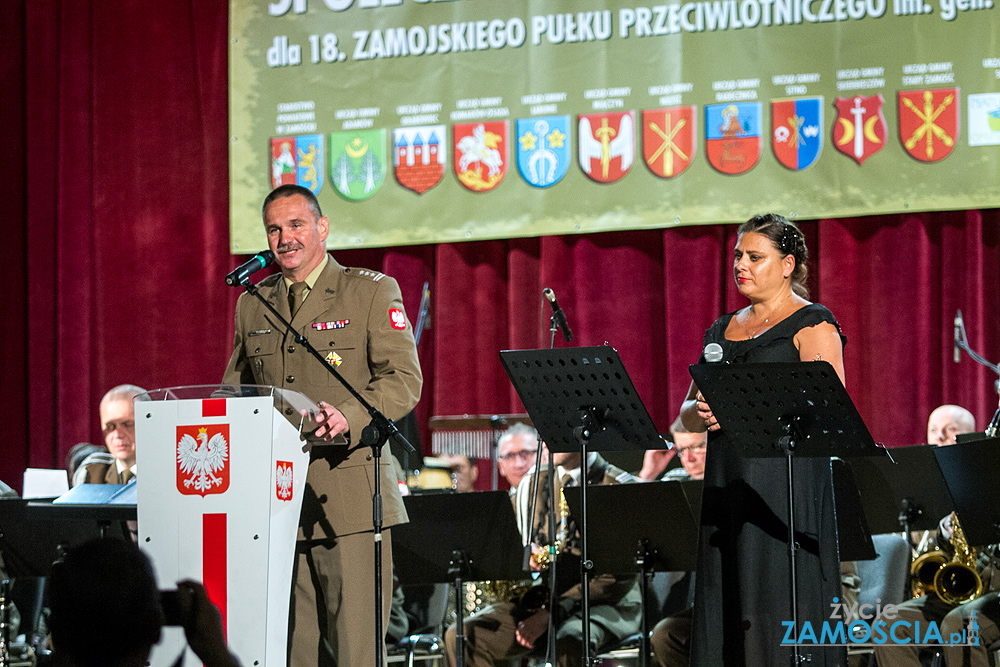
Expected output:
{"points": [[426, 121]]}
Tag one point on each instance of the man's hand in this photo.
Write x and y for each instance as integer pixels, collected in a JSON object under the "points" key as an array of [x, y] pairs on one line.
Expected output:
{"points": [[331, 422], [537, 555], [530, 629]]}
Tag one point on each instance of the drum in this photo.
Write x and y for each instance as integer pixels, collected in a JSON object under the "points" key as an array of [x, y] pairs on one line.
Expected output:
{"points": [[435, 475]]}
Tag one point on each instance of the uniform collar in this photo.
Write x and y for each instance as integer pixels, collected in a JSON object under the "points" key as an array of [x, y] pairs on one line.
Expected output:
{"points": [[313, 275]]}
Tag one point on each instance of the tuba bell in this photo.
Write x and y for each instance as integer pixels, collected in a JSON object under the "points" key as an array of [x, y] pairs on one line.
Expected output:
{"points": [[954, 581]]}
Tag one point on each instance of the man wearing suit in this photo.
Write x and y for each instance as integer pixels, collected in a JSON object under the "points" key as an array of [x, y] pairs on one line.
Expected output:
{"points": [[507, 629], [355, 319], [117, 465]]}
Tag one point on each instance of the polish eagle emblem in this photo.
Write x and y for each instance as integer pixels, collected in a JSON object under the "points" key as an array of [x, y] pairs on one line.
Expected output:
{"points": [[202, 461], [283, 480]]}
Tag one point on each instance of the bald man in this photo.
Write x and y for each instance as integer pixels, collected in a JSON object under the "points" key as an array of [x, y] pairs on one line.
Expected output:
{"points": [[948, 421]]}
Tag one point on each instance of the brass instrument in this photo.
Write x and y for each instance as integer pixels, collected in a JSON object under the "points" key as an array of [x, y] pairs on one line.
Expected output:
{"points": [[543, 558], [954, 581], [528, 595]]}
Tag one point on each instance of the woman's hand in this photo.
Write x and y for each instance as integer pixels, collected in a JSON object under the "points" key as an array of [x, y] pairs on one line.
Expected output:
{"points": [[705, 413]]}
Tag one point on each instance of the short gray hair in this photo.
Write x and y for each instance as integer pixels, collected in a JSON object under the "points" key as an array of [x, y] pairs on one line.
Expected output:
{"points": [[123, 392], [516, 429]]}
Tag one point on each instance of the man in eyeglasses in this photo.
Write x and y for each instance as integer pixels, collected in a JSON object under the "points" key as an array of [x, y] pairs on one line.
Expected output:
{"points": [[516, 451], [118, 426], [691, 448]]}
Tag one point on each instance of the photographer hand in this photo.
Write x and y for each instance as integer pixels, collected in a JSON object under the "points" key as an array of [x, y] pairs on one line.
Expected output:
{"points": [[203, 626]]}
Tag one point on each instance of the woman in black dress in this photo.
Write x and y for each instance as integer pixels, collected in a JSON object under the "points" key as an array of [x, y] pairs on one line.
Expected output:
{"points": [[742, 589]]}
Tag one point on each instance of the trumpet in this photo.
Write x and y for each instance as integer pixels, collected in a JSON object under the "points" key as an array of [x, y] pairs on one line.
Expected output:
{"points": [[954, 581]]}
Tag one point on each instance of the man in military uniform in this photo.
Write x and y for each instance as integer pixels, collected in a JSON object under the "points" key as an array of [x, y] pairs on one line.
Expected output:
{"points": [[355, 319], [507, 629]]}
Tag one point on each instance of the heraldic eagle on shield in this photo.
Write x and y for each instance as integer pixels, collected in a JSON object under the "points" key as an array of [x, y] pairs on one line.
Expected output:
{"points": [[201, 460]]}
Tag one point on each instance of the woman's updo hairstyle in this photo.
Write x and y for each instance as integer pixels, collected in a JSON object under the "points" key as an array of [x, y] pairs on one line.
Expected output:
{"points": [[788, 239]]}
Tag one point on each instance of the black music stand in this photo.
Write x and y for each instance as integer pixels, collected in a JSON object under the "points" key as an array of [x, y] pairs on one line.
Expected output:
{"points": [[905, 492], [581, 399], [665, 537], [456, 538], [854, 538], [33, 535], [970, 471], [790, 409]]}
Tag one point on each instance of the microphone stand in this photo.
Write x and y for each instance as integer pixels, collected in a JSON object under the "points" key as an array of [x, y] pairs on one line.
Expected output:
{"points": [[550, 483], [374, 435], [553, 327], [963, 344]]}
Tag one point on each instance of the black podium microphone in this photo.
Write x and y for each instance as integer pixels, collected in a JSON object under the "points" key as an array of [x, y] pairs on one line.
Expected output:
{"points": [[242, 273], [558, 314]]}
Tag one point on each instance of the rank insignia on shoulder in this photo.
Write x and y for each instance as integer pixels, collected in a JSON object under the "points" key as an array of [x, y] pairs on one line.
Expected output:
{"points": [[374, 275], [259, 332], [324, 326], [334, 359]]}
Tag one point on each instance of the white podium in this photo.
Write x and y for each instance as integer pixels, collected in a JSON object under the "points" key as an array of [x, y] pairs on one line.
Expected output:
{"points": [[223, 472]]}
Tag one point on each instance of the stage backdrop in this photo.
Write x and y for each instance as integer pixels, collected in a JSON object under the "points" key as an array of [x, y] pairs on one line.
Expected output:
{"points": [[422, 121], [119, 240]]}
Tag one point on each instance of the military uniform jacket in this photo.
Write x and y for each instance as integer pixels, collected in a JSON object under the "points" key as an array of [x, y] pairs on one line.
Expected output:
{"points": [[353, 317], [103, 473]]}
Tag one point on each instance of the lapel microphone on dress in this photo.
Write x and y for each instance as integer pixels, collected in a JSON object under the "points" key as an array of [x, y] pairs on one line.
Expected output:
{"points": [[558, 314], [242, 273]]}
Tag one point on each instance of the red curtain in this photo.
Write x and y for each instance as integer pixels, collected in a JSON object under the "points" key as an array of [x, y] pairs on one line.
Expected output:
{"points": [[116, 175]]}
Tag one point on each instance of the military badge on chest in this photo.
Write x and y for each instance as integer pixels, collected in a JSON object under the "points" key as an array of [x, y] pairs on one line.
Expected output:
{"points": [[326, 326]]}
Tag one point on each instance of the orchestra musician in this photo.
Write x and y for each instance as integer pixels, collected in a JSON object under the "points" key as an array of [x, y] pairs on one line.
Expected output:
{"points": [[511, 628], [947, 422], [516, 453], [741, 590], [950, 615], [943, 425]]}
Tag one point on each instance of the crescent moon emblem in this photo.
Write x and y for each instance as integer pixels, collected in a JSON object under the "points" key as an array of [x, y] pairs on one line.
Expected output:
{"points": [[848, 132], [356, 153], [870, 130]]}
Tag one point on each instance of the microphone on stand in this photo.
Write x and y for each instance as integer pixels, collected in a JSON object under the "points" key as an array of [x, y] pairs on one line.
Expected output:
{"points": [[959, 327], [242, 273], [558, 314]]}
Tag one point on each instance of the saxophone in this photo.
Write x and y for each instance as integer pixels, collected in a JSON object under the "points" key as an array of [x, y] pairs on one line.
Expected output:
{"points": [[543, 558], [954, 581], [528, 595]]}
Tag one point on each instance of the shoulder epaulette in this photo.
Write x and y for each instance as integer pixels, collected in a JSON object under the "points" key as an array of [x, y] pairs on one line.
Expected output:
{"points": [[374, 276]]}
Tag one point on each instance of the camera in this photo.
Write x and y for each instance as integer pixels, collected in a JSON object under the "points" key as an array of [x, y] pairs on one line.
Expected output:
{"points": [[173, 614]]}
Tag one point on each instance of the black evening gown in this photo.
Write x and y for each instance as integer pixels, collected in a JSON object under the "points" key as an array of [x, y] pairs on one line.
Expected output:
{"points": [[743, 591]]}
